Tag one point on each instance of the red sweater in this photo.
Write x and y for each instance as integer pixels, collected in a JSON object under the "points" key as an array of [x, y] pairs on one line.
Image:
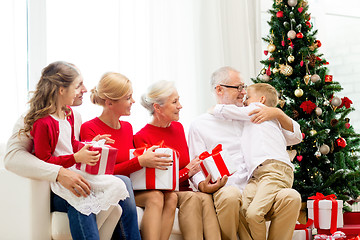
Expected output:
{"points": [[173, 137], [46, 134], [123, 142]]}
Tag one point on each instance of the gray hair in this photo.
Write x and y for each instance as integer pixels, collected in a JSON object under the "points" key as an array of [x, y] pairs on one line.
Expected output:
{"points": [[158, 93], [222, 75]]}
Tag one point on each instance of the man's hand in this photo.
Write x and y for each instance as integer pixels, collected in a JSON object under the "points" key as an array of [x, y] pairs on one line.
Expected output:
{"points": [[74, 182], [208, 187]]}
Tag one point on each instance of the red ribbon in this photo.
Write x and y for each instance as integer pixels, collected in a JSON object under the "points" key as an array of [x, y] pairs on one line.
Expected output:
{"points": [[150, 172], [219, 162], [305, 227], [334, 210]]}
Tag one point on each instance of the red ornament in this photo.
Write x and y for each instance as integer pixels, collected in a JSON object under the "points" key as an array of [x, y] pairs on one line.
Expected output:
{"points": [[345, 102], [300, 9], [328, 78], [303, 135], [318, 43], [308, 106], [299, 35], [266, 52], [299, 158], [283, 43], [347, 125], [280, 14], [302, 63], [341, 142], [308, 24]]}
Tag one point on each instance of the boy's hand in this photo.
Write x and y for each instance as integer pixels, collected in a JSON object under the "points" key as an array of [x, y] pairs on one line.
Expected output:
{"points": [[84, 155]]}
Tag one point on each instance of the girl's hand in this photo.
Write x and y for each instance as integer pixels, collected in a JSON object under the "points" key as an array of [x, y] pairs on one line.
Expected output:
{"points": [[152, 159], [84, 155], [104, 136], [194, 166]]}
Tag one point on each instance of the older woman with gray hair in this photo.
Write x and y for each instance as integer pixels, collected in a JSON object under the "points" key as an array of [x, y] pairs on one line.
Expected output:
{"points": [[197, 217]]}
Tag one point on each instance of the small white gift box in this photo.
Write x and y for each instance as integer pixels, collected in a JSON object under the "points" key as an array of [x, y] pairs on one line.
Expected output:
{"points": [[151, 178], [217, 164], [326, 212]]}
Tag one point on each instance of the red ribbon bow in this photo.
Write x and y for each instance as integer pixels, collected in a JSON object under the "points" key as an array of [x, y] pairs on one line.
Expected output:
{"points": [[305, 227], [334, 210], [216, 150]]}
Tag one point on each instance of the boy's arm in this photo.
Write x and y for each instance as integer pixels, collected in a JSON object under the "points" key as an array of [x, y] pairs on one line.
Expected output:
{"points": [[233, 112]]}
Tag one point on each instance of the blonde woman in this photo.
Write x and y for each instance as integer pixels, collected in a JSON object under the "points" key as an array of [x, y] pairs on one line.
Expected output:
{"points": [[114, 94], [197, 217]]}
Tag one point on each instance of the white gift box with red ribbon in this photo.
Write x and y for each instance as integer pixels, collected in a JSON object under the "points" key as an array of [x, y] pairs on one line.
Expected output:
{"points": [[326, 212], [106, 163], [217, 163], [151, 178]]}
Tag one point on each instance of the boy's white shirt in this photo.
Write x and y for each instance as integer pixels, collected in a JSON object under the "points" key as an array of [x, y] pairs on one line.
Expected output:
{"points": [[259, 142]]}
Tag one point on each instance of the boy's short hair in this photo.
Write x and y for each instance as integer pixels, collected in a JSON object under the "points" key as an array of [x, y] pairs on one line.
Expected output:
{"points": [[268, 91]]}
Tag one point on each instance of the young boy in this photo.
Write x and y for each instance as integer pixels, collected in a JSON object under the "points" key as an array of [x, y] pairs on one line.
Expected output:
{"points": [[264, 148]]}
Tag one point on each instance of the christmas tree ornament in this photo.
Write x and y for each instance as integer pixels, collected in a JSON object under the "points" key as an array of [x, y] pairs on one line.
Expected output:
{"points": [[324, 149], [292, 3], [299, 158], [336, 102], [300, 9], [334, 122], [291, 34], [299, 92], [312, 60], [307, 79], [295, 114], [271, 47], [263, 71], [291, 15], [327, 131], [341, 142], [299, 35], [291, 58], [313, 132], [315, 78], [326, 103], [301, 63], [298, 28], [317, 154], [318, 111], [328, 78], [282, 102], [308, 24], [264, 77], [304, 3], [286, 25], [275, 70], [347, 125], [278, 2], [345, 101], [308, 106], [280, 14], [303, 135], [286, 70]]}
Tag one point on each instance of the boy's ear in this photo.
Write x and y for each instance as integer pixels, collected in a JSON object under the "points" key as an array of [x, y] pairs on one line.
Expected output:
{"points": [[263, 99]]}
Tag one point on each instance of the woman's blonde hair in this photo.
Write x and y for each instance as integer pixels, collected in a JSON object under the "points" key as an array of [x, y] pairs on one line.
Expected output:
{"points": [[112, 86], [157, 93], [44, 99], [268, 91]]}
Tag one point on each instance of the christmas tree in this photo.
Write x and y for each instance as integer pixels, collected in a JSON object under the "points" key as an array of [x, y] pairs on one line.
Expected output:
{"points": [[327, 159]]}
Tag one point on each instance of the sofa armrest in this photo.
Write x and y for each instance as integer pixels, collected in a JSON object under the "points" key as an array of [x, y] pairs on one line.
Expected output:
{"points": [[25, 208]]}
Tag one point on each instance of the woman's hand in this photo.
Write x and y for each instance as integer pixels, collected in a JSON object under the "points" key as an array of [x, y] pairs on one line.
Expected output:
{"points": [[84, 155], [194, 166], [104, 136], [208, 187], [152, 159]]}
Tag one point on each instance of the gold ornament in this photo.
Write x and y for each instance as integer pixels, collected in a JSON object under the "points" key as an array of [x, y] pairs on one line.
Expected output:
{"points": [[299, 92], [304, 3], [324, 149], [271, 48], [291, 34], [291, 58], [275, 70], [313, 132], [307, 79], [282, 103], [263, 71], [286, 70], [336, 102]]}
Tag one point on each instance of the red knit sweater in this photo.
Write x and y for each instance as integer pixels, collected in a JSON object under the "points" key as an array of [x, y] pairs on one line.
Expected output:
{"points": [[46, 134], [173, 137], [123, 142]]}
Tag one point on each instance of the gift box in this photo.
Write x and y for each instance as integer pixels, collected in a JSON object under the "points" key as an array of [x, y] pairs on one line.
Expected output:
{"points": [[107, 160], [217, 163], [151, 178], [326, 212], [303, 231]]}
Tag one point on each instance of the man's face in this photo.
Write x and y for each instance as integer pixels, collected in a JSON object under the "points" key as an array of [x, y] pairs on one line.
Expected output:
{"points": [[230, 95], [78, 100]]}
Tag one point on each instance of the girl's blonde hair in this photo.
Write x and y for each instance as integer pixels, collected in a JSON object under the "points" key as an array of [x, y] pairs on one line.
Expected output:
{"points": [[111, 86], [157, 93], [268, 91], [44, 99]]}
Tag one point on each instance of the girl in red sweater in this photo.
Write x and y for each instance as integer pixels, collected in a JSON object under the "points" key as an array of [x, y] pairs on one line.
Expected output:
{"points": [[114, 94], [50, 123], [197, 217]]}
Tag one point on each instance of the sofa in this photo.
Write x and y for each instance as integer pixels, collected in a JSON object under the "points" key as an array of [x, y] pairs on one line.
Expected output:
{"points": [[25, 211]]}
